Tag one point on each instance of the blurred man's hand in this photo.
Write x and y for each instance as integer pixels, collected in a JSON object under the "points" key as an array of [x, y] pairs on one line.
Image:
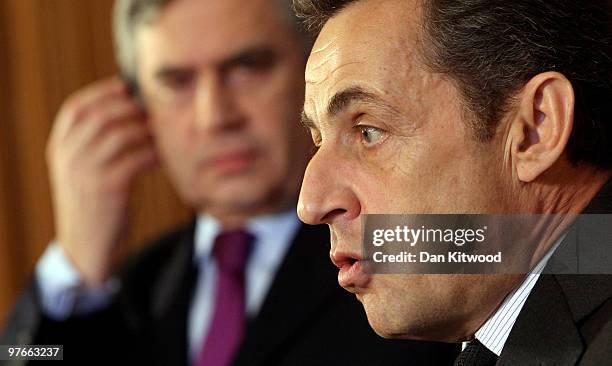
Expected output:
{"points": [[98, 146]]}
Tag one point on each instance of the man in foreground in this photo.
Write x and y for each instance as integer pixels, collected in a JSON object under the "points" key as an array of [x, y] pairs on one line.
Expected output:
{"points": [[214, 89], [465, 107]]}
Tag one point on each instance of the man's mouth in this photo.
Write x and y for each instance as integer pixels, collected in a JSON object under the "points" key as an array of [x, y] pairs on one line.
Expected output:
{"points": [[351, 275], [231, 161]]}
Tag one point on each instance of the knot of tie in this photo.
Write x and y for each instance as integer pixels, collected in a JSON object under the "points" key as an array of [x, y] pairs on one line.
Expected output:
{"points": [[476, 354], [231, 250]]}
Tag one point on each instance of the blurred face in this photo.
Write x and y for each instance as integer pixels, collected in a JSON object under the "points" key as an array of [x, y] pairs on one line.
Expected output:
{"points": [[391, 139], [223, 84]]}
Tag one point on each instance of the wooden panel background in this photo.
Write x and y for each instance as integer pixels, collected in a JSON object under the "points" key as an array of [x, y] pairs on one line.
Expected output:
{"points": [[48, 49]]}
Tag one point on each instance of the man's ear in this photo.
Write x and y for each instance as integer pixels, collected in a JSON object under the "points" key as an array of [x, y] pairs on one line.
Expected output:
{"points": [[541, 128]]}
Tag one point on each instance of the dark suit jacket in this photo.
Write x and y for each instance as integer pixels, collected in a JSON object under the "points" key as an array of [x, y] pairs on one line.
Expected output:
{"points": [[306, 318], [567, 319]]}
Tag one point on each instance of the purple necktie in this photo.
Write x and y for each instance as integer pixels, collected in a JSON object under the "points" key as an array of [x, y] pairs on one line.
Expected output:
{"points": [[226, 329]]}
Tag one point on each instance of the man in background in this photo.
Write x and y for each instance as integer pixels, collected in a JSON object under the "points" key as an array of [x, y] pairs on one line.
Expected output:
{"points": [[211, 90], [467, 107]]}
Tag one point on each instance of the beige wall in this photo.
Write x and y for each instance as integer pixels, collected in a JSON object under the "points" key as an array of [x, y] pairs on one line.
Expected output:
{"points": [[49, 48]]}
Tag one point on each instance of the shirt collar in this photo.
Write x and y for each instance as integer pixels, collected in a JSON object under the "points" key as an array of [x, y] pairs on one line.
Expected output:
{"points": [[495, 331], [272, 234]]}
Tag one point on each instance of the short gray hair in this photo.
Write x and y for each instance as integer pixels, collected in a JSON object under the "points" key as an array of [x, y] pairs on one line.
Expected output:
{"points": [[128, 14]]}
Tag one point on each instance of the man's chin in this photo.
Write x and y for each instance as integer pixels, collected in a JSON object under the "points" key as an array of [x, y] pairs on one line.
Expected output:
{"points": [[386, 322], [390, 330], [386, 330], [377, 317], [392, 325]]}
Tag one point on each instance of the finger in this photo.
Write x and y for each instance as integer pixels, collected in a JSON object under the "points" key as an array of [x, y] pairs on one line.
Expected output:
{"points": [[80, 102], [121, 141], [103, 121], [100, 90], [123, 173]]}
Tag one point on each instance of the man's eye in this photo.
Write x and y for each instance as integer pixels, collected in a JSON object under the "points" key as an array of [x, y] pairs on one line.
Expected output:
{"points": [[370, 135], [257, 63], [177, 82]]}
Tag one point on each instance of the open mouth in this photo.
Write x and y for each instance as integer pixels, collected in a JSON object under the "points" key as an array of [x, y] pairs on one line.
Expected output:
{"points": [[351, 275]]}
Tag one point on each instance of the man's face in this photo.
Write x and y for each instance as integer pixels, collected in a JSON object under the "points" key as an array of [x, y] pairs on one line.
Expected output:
{"points": [[223, 84], [391, 139]]}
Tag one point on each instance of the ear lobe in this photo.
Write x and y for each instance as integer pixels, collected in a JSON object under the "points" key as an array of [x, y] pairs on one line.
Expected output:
{"points": [[541, 129]]}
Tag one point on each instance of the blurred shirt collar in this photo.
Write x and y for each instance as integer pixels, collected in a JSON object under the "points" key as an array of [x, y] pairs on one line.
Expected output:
{"points": [[273, 234]]}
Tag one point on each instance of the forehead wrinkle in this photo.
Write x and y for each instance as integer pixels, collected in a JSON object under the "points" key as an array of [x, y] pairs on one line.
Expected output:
{"points": [[313, 65], [337, 68], [323, 47], [324, 60], [331, 74]]}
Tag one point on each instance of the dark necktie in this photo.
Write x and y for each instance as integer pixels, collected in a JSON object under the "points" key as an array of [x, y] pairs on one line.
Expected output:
{"points": [[476, 354], [231, 250]]}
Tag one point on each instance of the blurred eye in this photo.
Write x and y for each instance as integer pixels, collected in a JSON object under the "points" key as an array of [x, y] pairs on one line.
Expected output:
{"points": [[249, 66], [370, 136], [176, 80], [255, 61]]}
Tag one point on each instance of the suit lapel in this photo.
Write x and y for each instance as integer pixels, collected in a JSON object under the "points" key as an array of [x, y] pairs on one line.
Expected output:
{"points": [[301, 286], [585, 294], [602, 203], [170, 303], [545, 332]]}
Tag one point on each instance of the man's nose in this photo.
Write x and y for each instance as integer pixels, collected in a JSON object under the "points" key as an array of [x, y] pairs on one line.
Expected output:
{"points": [[326, 196], [215, 106]]}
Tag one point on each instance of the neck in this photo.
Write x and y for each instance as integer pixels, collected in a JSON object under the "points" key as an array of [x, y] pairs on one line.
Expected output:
{"points": [[571, 192], [559, 196]]}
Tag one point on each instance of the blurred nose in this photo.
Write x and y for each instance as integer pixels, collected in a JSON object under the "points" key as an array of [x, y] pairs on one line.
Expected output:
{"points": [[326, 196], [215, 106]]}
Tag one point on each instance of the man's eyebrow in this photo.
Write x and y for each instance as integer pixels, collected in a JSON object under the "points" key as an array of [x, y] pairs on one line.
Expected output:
{"points": [[258, 56], [343, 99], [168, 72]]}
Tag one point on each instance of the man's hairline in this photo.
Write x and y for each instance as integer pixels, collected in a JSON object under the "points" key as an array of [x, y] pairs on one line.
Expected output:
{"points": [[420, 52], [130, 72]]}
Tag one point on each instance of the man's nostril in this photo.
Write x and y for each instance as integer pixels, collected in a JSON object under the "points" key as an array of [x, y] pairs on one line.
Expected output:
{"points": [[332, 214]]}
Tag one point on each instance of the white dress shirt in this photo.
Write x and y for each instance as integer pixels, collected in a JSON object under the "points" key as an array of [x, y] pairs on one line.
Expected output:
{"points": [[62, 292], [495, 331]]}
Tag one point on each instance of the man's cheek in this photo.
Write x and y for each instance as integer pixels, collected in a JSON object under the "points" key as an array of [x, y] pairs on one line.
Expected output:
{"points": [[392, 159], [386, 192]]}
